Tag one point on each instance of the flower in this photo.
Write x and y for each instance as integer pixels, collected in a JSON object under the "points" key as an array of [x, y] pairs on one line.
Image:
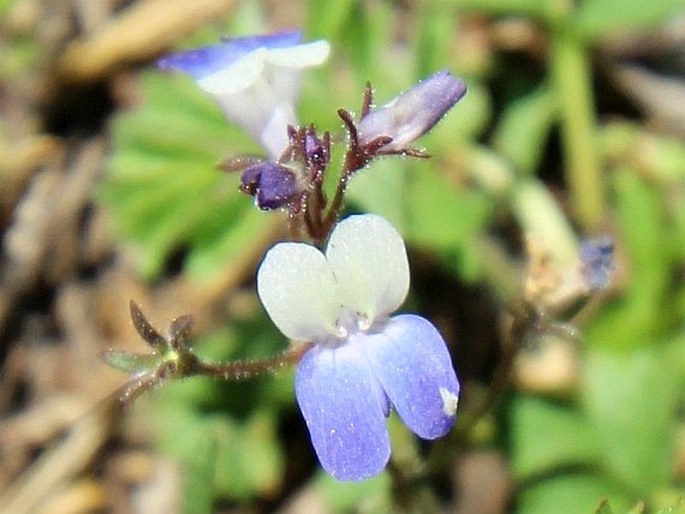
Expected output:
{"points": [[255, 80], [597, 262], [362, 361], [413, 113]]}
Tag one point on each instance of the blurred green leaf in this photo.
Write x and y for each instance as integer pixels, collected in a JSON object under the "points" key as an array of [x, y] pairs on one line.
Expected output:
{"points": [[449, 230], [641, 315], [249, 461], [604, 508], [329, 19], [130, 362], [199, 466], [162, 188], [371, 496], [246, 458], [658, 157], [675, 509], [630, 401], [548, 437], [436, 31], [521, 134], [541, 217], [599, 18], [674, 351], [543, 9], [467, 120], [569, 494], [382, 189], [488, 170]]}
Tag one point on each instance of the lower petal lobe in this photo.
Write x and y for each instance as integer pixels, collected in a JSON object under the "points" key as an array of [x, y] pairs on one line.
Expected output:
{"points": [[410, 360], [342, 404]]}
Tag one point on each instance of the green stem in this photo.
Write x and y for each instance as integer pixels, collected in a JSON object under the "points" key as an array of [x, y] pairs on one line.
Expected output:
{"points": [[571, 73]]}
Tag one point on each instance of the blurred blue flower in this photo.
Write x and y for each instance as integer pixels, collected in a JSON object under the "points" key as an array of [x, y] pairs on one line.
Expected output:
{"points": [[597, 261], [255, 80], [362, 362], [413, 113]]}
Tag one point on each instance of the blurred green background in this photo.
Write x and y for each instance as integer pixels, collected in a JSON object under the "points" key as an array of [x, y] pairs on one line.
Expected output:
{"points": [[572, 127]]}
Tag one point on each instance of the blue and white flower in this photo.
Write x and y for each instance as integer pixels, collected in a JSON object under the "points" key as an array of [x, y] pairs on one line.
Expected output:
{"points": [[255, 79], [363, 362]]}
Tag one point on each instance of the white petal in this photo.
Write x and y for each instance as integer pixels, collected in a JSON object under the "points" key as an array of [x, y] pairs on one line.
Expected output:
{"points": [[297, 287], [370, 264], [274, 136], [236, 77], [300, 56]]}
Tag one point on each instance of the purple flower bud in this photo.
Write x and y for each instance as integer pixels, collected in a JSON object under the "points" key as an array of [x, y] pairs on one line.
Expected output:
{"points": [[273, 185], [597, 257], [413, 113]]}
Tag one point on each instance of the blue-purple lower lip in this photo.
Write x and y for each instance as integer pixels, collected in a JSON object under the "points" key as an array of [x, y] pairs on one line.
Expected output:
{"points": [[201, 62]]}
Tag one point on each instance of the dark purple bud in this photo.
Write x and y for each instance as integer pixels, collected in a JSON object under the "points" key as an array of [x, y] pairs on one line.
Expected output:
{"points": [[413, 113], [597, 257], [272, 184], [316, 153], [313, 148]]}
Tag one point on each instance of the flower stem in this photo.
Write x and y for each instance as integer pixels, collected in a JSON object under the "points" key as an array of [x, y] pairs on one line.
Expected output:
{"points": [[571, 73], [242, 370]]}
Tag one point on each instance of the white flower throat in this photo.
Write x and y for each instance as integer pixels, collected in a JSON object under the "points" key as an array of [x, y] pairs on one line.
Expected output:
{"points": [[349, 323]]}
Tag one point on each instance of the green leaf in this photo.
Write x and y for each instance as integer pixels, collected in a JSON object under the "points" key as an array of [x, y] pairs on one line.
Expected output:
{"points": [[569, 494], [630, 401], [249, 460], [542, 218], [368, 497], [450, 230], [543, 9], [329, 19], [641, 315], [436, 31], [131, 362], [523, 130], [547, 437], [599, 18], [382, 189], [162, 188], [675, 509], [199, 465], [467, 120], [604, 508]]}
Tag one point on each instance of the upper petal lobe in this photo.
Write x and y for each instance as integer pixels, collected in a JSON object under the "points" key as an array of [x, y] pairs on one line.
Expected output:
{"points": [[370, 264], [297, 288]]}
